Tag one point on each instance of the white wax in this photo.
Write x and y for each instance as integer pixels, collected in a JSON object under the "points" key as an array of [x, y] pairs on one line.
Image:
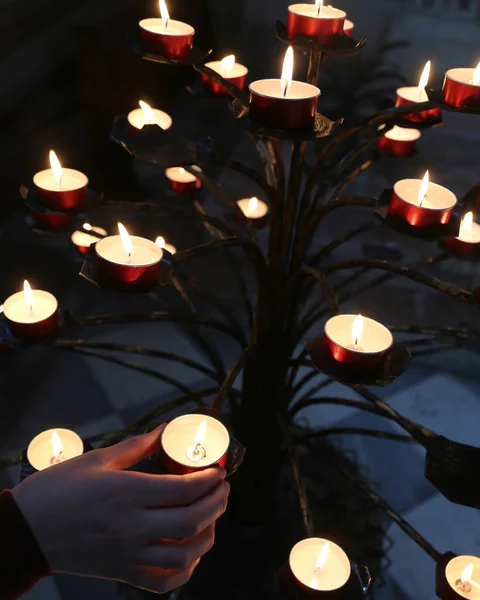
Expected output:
{"points": [[71, 180], [258, 213], [438, 197], [174, 28], [179, 436], [310, 10], [462, 76], [40, 450], [44, 306], [180, 175], [471, 236], [376, 337], [348, 25], [303, 561], [81, 238], [412, 94], [238, 70], [272, 88], [454, 570], [145, 252], [136, 118], [403, 134]]}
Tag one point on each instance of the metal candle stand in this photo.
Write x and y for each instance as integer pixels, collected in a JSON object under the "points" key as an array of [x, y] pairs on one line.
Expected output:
{"points": [[341, 45]]}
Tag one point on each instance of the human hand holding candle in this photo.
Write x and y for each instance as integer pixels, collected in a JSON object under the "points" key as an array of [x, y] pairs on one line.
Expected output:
{"points": [[31, 314], [462, 87], [146, 115], [230, 70], [415, 95], [91, 517]]}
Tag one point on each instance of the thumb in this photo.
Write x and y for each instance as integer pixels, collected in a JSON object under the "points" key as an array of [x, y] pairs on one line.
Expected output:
{"points": [[131, 451]]}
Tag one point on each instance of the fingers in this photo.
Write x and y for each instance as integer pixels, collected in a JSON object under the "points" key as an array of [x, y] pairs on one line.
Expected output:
{"points": [[161, 581], [178, 555], [186, 521], [156, 491]]}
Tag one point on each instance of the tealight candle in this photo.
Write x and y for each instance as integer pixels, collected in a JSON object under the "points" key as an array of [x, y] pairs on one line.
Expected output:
{"points": [[230, 70], [255, 210], [83, 240], [129, 263], [398, 141], [463, 576], [182, 181], [462, 87], [468, 240], [324, 23], [357, 341], [319, 565], [421, 203], [51, 220], [146, 115], [284, 103], [31, 314], [160, 242], [53, 447], [59, 188], [173, 39], [194, 442], [414, 95], [348, 27]]}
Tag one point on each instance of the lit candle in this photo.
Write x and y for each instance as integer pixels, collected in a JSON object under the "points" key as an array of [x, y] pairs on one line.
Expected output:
{"points": [[357, 341], [53, 447], [82, 240], [348, 27], [255, 210], [319, 565], [31, 314], [230, 70], [468, 240], [284, 103], [414, 95], [398, 141], [421, 203], [463, 576], [182, 181], [160, 242], [462, 87], [59, 188], [194, 442], [325, 23], [173, 39], [146, 115]]}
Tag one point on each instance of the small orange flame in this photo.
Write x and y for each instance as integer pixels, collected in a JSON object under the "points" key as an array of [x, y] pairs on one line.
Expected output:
{"points": [[160, 241], [466, 224], [227, 64], [287, 72], [148, 113], [200, 435], [252, 206], [56, 444], [422, 84], [164, 12], [87, 226], [126, 241], [56, 168], [28, 296], [357, 330], [181, 170], [467, 574], [423, 191], [323, 556], [476, 75]]}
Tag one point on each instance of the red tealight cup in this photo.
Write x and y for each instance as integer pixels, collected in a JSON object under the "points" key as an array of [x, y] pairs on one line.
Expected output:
{"points": [[181, 181], [467, 242], [174, 41], [31, 319], [410, 95], [236, 75], [459, 89], [325, 26], [51, 220], [193, 443], [82, 240], [70, 194], [255, 210], [398, 142]]}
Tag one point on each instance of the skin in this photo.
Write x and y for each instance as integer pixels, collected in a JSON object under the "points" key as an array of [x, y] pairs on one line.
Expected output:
{"points": [[93, 518]]}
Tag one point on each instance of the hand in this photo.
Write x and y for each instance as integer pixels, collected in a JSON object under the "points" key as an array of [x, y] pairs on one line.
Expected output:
{"points": [[92, 518]]}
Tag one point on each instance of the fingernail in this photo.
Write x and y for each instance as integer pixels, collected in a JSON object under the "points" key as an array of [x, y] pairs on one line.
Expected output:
{"points": [[223, 472]]}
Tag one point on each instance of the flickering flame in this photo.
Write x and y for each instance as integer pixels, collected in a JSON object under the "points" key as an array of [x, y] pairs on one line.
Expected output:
{"points": [[126, 241], [476, 75], [357, 330], [423, 191], [56, 168], [28, 296], [252, 206], [164, 12], [56, 444], [160, 241], [319, 5], [466, 224], [200, 435], [148, 113], [422, 84], [87, 226], [287, 72], [227, 65], [181, 170], [323, 556], [467, 574]]}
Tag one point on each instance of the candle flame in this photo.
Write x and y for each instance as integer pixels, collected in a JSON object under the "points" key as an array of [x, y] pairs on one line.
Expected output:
{"points": [[422, 84], [357, 330], [252, 206], [164, 12], [319, 5], [160, 241], [56, 168], [28, 296], [423, 191], [227, 65], [56, 444], [200, 435], [148, 113], [323, 556], [467, 574], [126, 241], [466, 224], [87, 226], [287, 72], [476, 75], [181, 170]]}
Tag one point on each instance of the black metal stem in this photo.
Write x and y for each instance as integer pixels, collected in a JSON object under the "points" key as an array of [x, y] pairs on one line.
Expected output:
{"points": [[307, 402], [231, 377], [383, 435], [326, 288]]}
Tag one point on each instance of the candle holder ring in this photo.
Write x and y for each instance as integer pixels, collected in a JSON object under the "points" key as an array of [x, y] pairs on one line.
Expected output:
{"points": [[341, 45], [437, 96], [196, 56], [432, 233], [393, 364], [323, 127]]}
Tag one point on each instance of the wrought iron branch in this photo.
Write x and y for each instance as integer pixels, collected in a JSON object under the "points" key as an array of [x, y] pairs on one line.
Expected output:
{"points": [[307, 402], [336, 243], [383, 435], [326, 288], [229, 381]]}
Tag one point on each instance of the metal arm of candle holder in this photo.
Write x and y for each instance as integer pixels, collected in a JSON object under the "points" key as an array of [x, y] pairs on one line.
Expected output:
{"points": [[374, 433]]}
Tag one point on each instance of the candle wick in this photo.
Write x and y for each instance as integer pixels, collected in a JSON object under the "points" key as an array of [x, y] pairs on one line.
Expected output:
{"points": [[31, 310], [285, 89], [166, 24], [60, 181], [319, 10]]}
